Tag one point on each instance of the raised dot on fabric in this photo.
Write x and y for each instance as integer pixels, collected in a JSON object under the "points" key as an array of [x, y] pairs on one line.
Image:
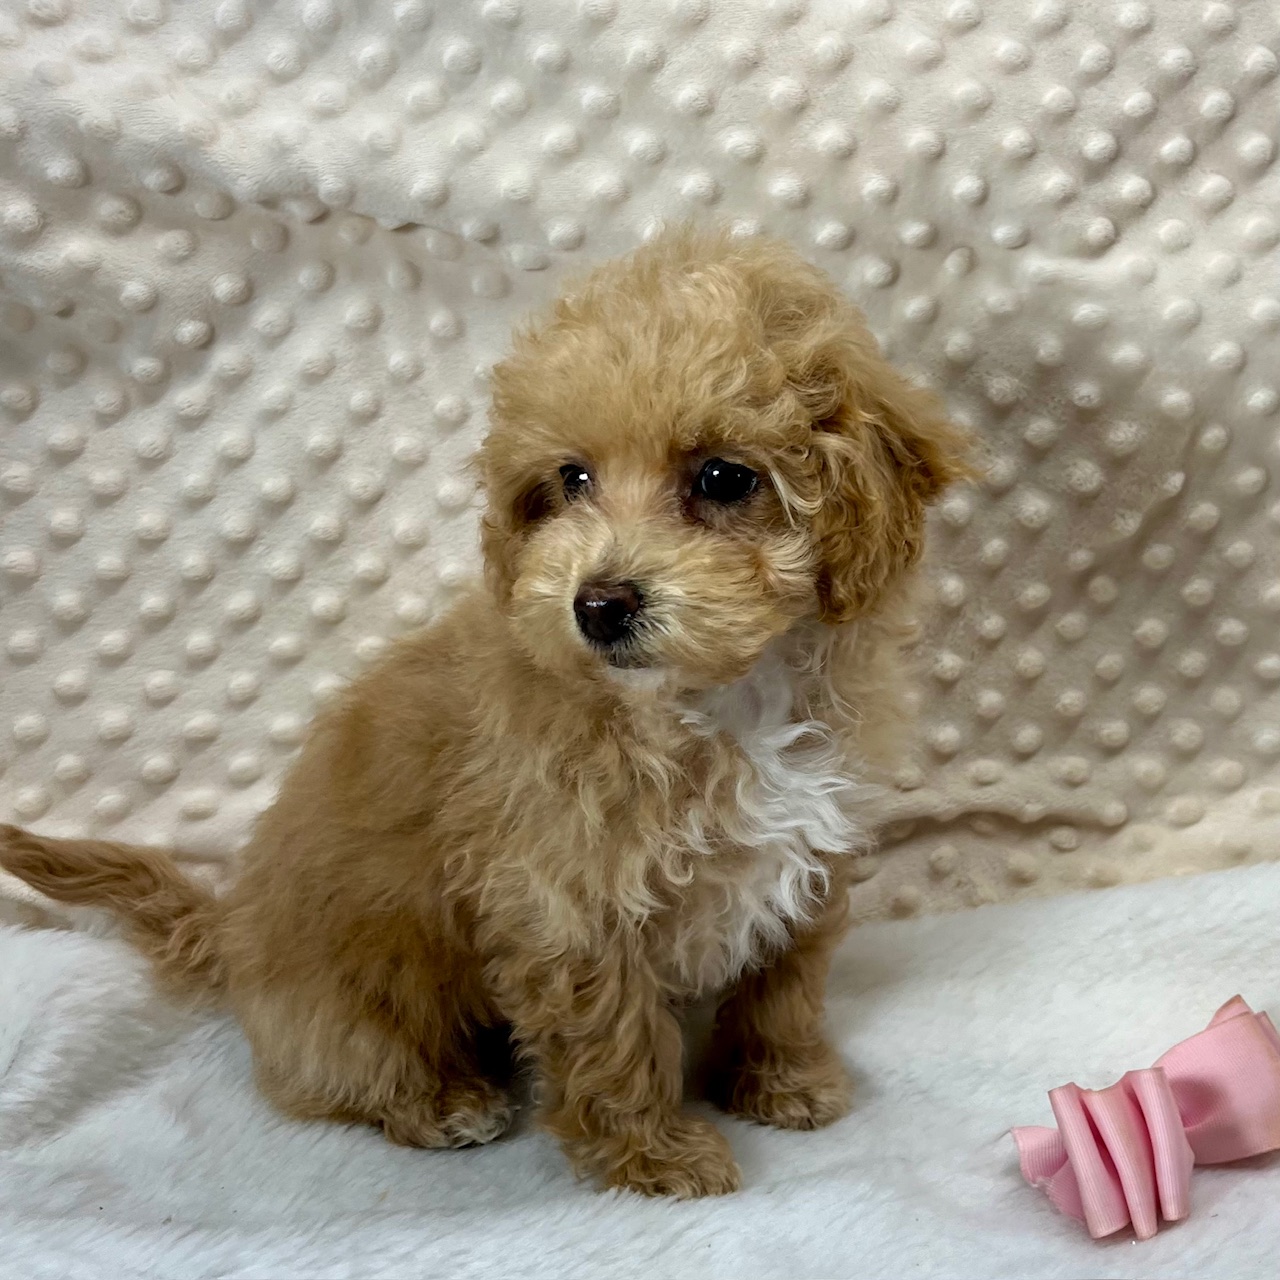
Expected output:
{"points": [[328, 607], [244, 769], [243, 609], [277, 489], [1267, 668], [1070, 771], [72, 770], [1065, 839], [1239, 554], [1203, 517], [833, 235], [409, 450], [286, 566], [1151, 633], [286, 649], [1034, 596], [550, 56], [410, 532], [948, 667], [989, 705], [992, 628], [371, 569], [1027, 739], [743, 144], [198, 805], [1150, 699]]}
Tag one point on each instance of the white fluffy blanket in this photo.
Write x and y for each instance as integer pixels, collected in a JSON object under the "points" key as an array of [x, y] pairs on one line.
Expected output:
{"points": [[255, 256], [132, 1142]]}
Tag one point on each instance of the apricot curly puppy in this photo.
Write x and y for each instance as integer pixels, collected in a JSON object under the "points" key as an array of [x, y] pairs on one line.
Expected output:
{"points": [[627, 772]]}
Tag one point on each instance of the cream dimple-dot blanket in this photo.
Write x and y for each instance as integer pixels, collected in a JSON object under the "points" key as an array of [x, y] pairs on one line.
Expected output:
{"points": [[255, 258]]}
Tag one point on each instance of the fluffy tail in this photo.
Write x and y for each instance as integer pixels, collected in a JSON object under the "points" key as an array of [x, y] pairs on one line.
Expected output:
{"points": [[170, 918]]}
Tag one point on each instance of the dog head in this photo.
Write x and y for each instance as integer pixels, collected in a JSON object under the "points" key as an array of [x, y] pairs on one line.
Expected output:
{"points": [[694, 451]]}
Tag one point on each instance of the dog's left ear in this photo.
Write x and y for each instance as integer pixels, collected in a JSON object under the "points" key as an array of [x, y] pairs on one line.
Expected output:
{"points": [[886, 451], [884, 448]]}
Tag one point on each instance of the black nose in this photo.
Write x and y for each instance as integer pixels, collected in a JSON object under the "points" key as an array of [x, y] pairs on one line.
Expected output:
{"points": [[606, 612]]}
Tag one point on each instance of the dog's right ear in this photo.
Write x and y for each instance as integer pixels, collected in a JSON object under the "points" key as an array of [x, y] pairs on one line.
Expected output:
{"points": [[516, 499], [505, 520]]}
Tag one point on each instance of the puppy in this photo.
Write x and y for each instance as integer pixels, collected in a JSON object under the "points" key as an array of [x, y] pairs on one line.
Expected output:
{"points": [[627, 772]]}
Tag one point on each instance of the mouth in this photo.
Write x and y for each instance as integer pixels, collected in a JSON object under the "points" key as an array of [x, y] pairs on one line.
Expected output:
{"points": [[636, 674], [625, 654], [627, 661]]}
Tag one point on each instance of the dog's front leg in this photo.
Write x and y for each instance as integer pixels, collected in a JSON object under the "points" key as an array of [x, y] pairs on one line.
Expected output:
{"points": [[770, 1058], [608, 1053]]}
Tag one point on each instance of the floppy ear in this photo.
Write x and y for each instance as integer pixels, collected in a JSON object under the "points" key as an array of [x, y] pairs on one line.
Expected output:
{"points": [[884, 449], [499, 545], [511, 508], [508, 466]]}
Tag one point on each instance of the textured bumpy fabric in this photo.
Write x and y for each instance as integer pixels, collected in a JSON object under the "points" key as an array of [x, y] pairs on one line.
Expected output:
{"points": [[255, 258]]}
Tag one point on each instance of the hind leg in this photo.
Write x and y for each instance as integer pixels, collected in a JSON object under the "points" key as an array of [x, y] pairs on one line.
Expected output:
{"points": [[334, 1067], [406, 1050], [471, 1104], [427, 1111]]}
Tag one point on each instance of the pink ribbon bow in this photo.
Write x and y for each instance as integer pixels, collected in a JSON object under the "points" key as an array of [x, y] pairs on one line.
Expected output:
{"points": [[1124, 1155]]}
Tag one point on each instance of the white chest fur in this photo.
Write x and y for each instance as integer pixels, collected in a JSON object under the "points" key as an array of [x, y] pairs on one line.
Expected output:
{"points": [[791, 794]]}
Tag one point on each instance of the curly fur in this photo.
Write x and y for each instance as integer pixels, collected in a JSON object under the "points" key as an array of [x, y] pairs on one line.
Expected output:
{"points": [[501, 836]]}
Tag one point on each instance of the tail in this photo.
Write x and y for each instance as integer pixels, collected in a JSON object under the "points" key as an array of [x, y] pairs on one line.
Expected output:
{"points": [[171, 919]]}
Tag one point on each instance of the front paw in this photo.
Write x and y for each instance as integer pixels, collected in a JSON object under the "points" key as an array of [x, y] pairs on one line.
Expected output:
{"points": [[685, 1157], [788, 1091]]}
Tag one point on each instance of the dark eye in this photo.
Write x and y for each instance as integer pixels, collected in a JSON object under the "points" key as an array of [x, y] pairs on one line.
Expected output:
{"points": [[725, 482], [575, 479]]}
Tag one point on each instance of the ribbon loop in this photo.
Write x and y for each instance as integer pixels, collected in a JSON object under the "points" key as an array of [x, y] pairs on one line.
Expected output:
{"points": [[1122, 1156]]}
